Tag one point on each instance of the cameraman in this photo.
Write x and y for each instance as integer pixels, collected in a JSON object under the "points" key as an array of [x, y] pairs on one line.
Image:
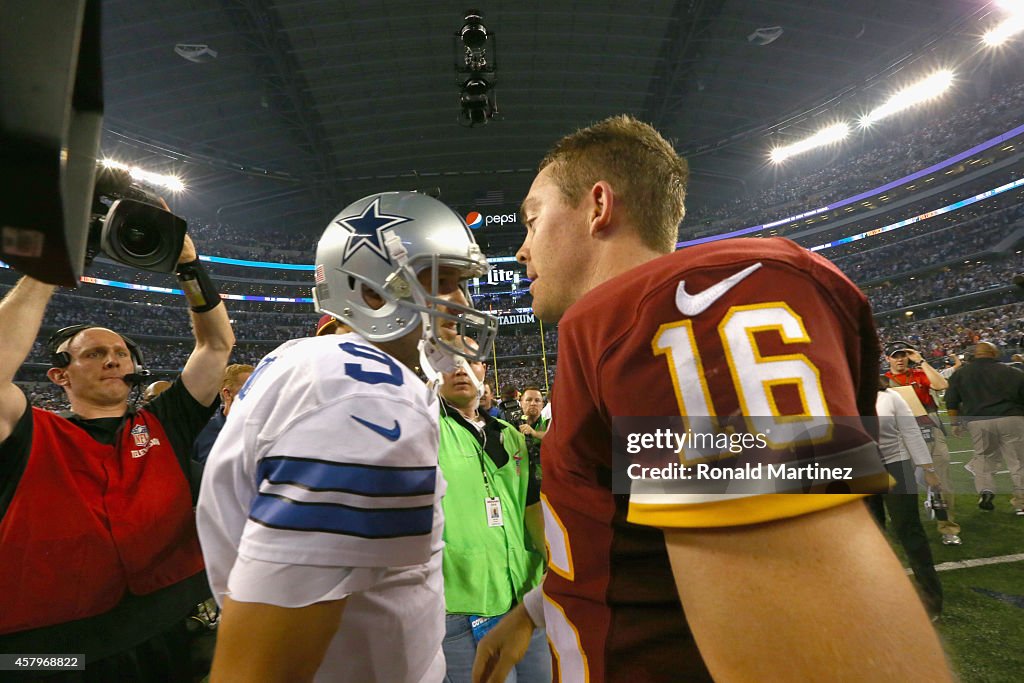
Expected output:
{"points": [[533, 426], [509, 408], [98, 549]]}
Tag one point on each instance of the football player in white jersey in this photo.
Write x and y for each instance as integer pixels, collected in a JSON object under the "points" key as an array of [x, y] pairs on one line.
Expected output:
{"points": [[320, 515]]}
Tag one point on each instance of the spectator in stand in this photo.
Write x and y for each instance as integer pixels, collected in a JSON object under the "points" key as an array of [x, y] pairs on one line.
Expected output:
{"points": [[924, 379], [989, 397], [235, 377]]}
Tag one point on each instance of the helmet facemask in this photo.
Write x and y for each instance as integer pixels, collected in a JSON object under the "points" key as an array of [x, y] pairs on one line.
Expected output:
{"points": [[423, 234]]}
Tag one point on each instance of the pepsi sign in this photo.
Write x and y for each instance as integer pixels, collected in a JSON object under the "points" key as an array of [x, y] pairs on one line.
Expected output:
{"points": [[475, 220]]}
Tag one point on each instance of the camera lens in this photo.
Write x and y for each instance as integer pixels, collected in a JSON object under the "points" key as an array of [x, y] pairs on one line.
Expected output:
{"points": [[138, 241]]}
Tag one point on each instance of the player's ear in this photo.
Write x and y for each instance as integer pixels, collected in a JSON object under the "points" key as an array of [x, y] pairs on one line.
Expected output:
{"points": [[600, 207]]}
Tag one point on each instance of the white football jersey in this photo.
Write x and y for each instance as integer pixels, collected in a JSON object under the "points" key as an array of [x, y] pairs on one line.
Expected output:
{"points": [[324, 485]]}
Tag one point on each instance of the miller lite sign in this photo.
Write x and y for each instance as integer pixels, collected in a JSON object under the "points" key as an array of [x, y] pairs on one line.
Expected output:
{"points": [[496, 276]]}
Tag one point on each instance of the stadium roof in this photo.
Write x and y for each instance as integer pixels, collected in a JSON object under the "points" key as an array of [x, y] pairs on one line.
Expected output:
{"points": [[310, 104]]}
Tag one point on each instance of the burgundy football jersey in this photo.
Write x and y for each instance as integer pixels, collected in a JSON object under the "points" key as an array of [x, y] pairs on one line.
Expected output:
{"points": [[741, 327]]}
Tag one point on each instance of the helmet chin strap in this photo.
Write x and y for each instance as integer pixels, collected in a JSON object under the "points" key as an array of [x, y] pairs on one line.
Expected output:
{"points": [[437, 359], [435, 362], [477, 384]]}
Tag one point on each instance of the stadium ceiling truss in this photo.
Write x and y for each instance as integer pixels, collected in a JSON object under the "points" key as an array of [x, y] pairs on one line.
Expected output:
{"points": [[309, 104]]}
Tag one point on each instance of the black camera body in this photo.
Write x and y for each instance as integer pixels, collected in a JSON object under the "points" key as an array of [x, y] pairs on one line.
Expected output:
{"points": [[512, 411], [129, 225]]}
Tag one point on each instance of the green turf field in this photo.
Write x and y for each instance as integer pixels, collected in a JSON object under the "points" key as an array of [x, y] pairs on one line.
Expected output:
{"points": [[983, 621]]}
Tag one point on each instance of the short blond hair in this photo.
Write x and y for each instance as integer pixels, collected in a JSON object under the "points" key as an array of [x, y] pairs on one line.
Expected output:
{"points": [[648, 176], [232, 373]]}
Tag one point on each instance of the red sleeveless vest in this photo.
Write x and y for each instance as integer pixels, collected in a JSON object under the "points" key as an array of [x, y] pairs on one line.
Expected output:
{"points": [[89, 521]]}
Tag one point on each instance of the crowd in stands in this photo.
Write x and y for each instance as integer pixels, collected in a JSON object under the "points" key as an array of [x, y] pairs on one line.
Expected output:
{"points": [[45, 395], [966, 278], [892, 255], [527, 343], [1001, 325], [937, 337], [521, 376], [300, 277], [504, 301], [942, 246], [887, 160], [232, 241], [944, 249], [882, 158], [171, 319]]}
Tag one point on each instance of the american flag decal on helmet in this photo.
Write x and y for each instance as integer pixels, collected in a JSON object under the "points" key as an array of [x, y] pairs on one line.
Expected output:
{"points": [[319, 275]]}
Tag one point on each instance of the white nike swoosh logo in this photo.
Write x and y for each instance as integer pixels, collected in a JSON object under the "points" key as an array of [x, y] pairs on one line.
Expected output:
{"points": [[695, 304]]}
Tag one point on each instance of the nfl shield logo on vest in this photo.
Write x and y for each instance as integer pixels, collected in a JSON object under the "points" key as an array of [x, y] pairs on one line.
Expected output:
{"points": [[140, 433]]}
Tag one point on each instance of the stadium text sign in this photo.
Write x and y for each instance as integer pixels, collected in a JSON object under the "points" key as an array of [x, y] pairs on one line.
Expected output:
{"points": [[516, 318]]}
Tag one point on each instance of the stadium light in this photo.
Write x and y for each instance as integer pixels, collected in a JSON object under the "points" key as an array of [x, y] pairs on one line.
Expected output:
{"points": [[930, 88], [825, 136], [169, 182], [1008, 27]]}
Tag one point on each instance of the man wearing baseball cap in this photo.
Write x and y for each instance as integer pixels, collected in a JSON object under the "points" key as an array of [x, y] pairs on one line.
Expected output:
{"points": [[330, 325], [924, 379]]}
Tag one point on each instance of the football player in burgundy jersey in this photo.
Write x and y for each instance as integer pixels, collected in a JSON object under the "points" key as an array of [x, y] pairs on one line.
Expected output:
{"points": [[690, 585]]}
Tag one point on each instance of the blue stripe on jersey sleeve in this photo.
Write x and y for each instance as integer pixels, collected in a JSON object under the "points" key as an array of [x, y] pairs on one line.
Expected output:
{"points": [[279, 512], [365, 480]]}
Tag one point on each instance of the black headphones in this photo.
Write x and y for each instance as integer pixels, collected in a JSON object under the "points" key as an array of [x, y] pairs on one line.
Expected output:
{"points": [[61, 359]]}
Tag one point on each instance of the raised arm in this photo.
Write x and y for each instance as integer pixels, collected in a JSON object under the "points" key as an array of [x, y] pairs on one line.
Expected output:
{"points": [[791, 599], [212, 329], [21, 314], [938, 382]]}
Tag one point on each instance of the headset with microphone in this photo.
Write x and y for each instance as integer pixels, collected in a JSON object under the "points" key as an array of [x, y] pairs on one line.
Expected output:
{"points": [[61, 359]]}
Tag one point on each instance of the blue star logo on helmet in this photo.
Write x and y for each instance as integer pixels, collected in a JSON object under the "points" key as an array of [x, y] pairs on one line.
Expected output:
{"points": [[368, 230]]}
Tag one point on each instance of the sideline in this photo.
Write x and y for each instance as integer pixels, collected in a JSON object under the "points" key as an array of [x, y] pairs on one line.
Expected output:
{"points": [[979, 562]]}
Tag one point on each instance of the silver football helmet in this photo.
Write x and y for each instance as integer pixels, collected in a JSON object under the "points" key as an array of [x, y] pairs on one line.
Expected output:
{"points": [[384, 242]]}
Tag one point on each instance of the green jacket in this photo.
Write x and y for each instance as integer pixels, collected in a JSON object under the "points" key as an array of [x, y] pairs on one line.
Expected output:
{"points": [[485, 567]]}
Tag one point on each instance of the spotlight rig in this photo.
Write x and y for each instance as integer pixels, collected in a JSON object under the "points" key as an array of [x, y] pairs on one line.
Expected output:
{"points": [[475, 70]]}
